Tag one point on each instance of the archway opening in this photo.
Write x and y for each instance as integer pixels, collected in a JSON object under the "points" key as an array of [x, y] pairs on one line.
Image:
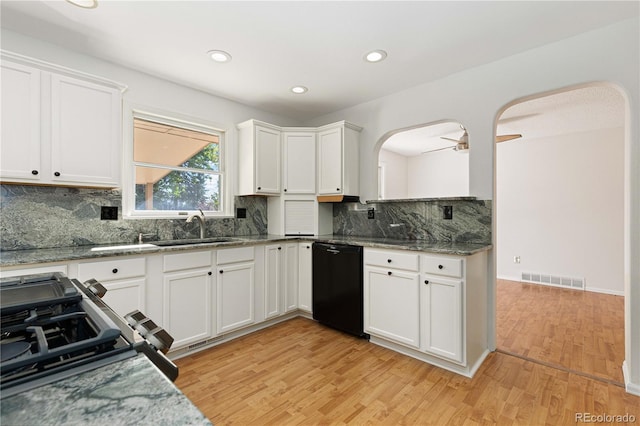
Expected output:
{"points": [[425, 161], [559, 209]]}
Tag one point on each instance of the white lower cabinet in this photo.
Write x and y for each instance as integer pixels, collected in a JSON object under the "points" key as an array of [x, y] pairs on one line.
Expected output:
{"points": [[235, 288], [391, 297], [305, 277], [441, 321], [123, 277], [188, 296], [14, 272], [273, 288], [418, 304], [290, 275], [281, 279]]}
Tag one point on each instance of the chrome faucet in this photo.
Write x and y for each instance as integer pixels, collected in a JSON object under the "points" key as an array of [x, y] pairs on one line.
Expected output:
{"points": [[200, 218]]}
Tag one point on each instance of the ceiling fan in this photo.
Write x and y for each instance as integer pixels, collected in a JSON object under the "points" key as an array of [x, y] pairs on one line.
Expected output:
{"points": [[462, 144]]}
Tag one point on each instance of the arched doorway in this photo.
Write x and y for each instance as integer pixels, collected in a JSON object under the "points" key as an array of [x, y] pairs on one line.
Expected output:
{"points": [[559, 209]]}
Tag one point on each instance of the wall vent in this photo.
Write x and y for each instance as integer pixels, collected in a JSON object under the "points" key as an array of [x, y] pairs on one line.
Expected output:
{"points": [[553, 280]]}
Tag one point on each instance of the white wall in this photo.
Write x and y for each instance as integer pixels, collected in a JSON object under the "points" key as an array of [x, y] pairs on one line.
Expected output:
{"points": [[560, 207], [438, 174], [394, 174], [476, 97]]}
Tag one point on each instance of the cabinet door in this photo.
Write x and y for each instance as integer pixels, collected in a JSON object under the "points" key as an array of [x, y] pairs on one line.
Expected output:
{"points": [[272, 281], [290, 274], [125, 296], [267, 161], [442, 317], [299, 163], [300, 217], [20, 143], [123, 277], [235, 292], [305, 276], [187, 306], [392, 305], [330, 161], [85, 132]]}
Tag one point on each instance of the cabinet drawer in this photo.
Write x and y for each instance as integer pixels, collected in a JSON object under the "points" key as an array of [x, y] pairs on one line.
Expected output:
{"points": [[392, 259], [186, 260], [112, 269], [233, 255], [37, 270], [446, 266]]}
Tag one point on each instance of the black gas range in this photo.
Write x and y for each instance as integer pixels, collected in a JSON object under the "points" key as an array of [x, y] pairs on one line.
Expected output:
{"points": [[53, 327]]}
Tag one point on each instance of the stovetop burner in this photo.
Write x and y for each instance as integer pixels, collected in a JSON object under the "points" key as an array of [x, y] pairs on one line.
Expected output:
{"points": [[14, 350], [53, 327], [47, 326]]}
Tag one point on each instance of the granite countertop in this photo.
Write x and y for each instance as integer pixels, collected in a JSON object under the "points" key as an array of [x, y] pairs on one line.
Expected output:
{"points": [[61, 254], [451, 248], [128, 392]]}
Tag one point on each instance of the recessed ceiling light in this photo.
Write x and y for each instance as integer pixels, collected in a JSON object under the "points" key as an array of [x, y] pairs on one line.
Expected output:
{"points": [[219, 55], [299, 90], [375, 56], [86, 4]]}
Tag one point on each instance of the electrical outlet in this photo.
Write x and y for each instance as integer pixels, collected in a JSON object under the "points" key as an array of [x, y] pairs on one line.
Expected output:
{"points": [[371, 213], [516, 259], [241, 213], [108, 213], [447, 212]]}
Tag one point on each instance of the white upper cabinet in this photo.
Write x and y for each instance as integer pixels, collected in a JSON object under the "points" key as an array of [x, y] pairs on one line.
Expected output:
{"points": [[85, 132], [315, 160], [299, 172], [59, 128], [258, 158], [338, 159], [20, 146]]}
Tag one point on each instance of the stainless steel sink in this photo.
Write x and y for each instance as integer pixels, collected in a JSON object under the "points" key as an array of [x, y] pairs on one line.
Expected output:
{"points": [[167, 243], [172, 243]]}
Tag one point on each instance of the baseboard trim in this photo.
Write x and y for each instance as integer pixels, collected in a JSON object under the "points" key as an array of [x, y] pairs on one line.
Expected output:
{"points": [[632, 388], [605, 291], [587, 288], [458, 368]]}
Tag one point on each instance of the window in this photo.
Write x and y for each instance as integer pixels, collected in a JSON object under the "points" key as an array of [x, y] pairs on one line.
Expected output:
{"points": [[177, 168]]}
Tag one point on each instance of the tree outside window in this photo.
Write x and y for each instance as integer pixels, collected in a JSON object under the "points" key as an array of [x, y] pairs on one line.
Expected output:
{"points": [[176, 169]]}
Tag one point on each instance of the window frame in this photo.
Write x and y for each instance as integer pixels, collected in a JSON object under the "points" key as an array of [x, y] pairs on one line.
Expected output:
{"points": [[181, 121]]}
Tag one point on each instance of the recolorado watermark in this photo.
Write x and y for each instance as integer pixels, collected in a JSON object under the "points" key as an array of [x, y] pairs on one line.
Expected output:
{"points": [[605, 418]]}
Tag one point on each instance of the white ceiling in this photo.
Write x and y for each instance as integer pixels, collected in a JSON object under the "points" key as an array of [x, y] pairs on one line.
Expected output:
{"points": [[579, 110], [318, 44]]}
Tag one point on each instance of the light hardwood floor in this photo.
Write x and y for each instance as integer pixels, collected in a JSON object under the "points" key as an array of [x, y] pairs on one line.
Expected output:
{"points": [[302, 373], [572, 329]]}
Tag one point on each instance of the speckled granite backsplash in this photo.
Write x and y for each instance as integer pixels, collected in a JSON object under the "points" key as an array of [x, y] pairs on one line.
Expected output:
{"points": [[46, 217], [417, 220]]}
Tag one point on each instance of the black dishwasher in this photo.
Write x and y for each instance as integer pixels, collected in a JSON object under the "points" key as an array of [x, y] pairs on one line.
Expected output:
{"points": [[338, 287]]}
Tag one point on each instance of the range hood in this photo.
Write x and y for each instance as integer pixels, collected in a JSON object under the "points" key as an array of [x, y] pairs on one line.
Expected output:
{"points": [[338, 198]]}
